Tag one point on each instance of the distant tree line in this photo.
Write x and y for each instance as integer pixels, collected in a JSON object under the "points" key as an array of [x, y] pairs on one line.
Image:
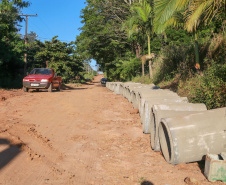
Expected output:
{"points": [[187, 38], [117, 33], [178, 44], [55, 54]]}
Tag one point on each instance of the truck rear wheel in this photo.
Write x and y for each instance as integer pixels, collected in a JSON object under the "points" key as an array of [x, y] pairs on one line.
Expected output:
{"points": [[25, 89], [50, 89]]}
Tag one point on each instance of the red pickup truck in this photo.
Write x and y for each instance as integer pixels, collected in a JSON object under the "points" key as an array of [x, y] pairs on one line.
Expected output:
{"points": [[42, 78]]}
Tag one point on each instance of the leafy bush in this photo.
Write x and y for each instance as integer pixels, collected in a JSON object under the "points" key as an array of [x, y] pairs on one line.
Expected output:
{"points": [[173, 60], [142, 79], [208, 88], [124, 69], [89, 76]]}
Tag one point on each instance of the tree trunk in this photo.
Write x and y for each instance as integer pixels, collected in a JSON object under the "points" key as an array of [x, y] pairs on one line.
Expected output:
{"points": [[149, 53], [137, 50], [47, 64], [149, 45], [150, 70], [142, 69]]}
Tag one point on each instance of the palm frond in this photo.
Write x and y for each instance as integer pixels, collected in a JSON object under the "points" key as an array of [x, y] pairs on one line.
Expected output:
{"points": [[202, 11], [164, 9], [194, 15], [143, 10]]}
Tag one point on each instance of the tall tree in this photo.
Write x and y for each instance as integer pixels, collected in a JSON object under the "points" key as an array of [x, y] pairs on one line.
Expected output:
{"points": [[11, 45], [142, 21], [102, 38], [60, 56]]}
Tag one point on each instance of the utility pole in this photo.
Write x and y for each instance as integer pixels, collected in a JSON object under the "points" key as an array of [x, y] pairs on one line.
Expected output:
{"points": [[25, 38]]}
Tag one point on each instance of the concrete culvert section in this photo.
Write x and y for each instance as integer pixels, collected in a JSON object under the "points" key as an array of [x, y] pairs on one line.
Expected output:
{"points": [[136, 90], [110, 85], [117, 87], [146, 114], [143, 94], [129, 88], [189, 138], [124, 87], [148, 94], [121, 88], [166, 110]]}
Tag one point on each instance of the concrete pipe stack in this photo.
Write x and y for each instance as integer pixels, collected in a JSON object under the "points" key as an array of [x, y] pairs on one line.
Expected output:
{"points": [[110, 85], [148, 94], [184, 132], [117, 87], [128, 88], [136, 90]]}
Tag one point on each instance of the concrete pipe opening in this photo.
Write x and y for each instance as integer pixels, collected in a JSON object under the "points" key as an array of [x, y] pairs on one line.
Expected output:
{"points": [[165, 141]]}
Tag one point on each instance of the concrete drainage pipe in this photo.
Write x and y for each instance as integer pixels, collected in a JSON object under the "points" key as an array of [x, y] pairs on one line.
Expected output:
{"points": [[148, 94], [110, 85], [170, 110], [107, 84], [138, 89], [142, 95], [121, 88], [128, 89], [131, 88], [116, 87], [147, 116], [125, 85], [189, 138]]}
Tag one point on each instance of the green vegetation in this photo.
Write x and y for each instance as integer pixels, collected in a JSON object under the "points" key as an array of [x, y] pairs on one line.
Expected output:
{"points": [[186, 37], [60, 56]]}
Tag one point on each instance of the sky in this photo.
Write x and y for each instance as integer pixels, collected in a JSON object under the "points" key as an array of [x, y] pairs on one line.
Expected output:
{"points": [[54, 17]]}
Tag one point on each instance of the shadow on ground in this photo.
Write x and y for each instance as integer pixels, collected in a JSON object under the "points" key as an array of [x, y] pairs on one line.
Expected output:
{"points": [[9, 153], [146, 183]]}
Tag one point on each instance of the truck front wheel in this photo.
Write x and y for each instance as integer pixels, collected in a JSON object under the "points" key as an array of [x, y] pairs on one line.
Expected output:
{"points": [[50, 89], [25, 89]]}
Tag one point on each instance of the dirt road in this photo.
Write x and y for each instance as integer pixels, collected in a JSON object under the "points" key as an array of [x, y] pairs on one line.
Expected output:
{"points": [[85, 135]]}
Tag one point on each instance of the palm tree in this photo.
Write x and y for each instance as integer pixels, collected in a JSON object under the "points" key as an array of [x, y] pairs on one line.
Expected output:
{"points": [[141, 21]]}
